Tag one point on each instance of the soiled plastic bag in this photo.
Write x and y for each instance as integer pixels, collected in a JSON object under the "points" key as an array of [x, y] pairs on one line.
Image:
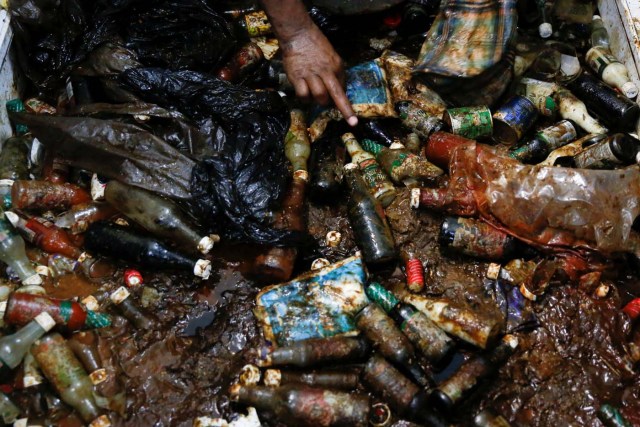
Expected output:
{"points": [[237, 186], [109, 59], [550, 207]]}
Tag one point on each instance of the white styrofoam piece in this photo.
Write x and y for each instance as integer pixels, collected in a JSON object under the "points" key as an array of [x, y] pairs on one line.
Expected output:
{"points": [[8, 79], [621, 18]]}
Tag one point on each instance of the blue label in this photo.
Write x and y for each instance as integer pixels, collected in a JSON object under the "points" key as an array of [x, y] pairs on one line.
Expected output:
{"points": [[366, 84]]}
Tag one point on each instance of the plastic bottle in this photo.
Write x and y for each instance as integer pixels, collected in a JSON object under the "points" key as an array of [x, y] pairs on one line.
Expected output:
{"points": [[21, 308], [158, 215], [13, 347], [379, 185], [67, 376], [544, 142], [616, 150], [314, 351], [307, 406], [44, 234], [368, 221], [611, 71], [14, 159], [46, 195], [425, 335], [121, 243], [466, 379], [400, 164], [571, 108], [12, 253], [440, 146]]}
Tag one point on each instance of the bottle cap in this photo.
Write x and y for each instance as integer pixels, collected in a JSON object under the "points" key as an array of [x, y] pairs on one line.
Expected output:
{"points": [[98, 376], [545, 30], [202, 268], [119, 295], [396, 146], [45, 321], [510, 340], [33, 280], [132, 277], [493, 271], [632, 309], [101, 421], [272, 378], [302, 175], [629, 90], [347, 136], [250, 375], [602, 290], [415, 198], [42, 270], [350, 166], [333, 238], [97, 187], [320, 263], [596, 17], [22, 422], [206, 243], [380, 415], [91, 303], [32, 289]]}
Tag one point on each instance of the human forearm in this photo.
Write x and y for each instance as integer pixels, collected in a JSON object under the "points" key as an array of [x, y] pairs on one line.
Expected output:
{"points": [[289, 18]]}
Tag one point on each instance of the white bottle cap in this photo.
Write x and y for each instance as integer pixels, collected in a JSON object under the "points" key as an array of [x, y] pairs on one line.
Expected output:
{"points": [[202, 268], [510, 340], [22, 422], [97, 188], [596, 17], [333, 238], [301, 174], [319, 263], [250, 375], [415, 198], [119, 295], [350, 166], [206, 243], [45, 321], [272, 378], [6, 183], [33, 280], [545, 30], [12, 217], [98, 376], [630, 90], [396, 146], [91, 303]]}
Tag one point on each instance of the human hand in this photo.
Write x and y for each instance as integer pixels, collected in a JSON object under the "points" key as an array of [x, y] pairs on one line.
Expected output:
{"points": [[315, 70]]}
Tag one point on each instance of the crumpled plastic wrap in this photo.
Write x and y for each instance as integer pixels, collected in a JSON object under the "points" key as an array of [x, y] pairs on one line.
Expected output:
{"points": [[550, 207]]}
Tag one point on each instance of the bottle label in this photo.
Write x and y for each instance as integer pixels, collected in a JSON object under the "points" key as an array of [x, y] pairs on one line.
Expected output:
{"points": [[478, 239], [598, 156], [418, 120], [374, 177], [558, 135], [599, 59], [540, 93], [257, 23]]}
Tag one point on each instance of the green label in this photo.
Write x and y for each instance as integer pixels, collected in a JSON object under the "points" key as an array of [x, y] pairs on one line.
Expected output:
{"points": [[66, 311], [384, 298]]}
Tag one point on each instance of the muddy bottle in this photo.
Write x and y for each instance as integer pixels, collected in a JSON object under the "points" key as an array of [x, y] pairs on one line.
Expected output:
{"points": [[400, 392], [571, 108], [464, 381], [157, 215], [120, 242], [377, 182], [417, 119], [314, 351], [5, 193], [616, 150], [611, 71], [541, 93], [253, 24], [425, 335], [85, 347], [376, 132], [276, 264], [478, 239], [343, 380], [243, 62], [456, 320], [400, 164], [13, 347], [46, 195], [599, 34], [66, 374], [12, 253], [78, 218], [129, 309], [44, 234], [513, 119], [544, 142], [307, 406], [325, 169], [614, 109], [9, 412], [487, 419], [611, 417], [368, 220], [412, 143], [390, 342], [21, 308], [440, 146], [14, 159]]}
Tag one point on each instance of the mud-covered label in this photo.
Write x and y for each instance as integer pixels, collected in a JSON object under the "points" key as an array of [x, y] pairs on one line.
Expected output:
{"points": [[384, 298], [257, 24], [471, 122], [558, 135], [478, 239], [366, 84], [419, 121], [374, 177], [540, 93], [426, 336], [599, 59], [597, 156], [518, 114]]}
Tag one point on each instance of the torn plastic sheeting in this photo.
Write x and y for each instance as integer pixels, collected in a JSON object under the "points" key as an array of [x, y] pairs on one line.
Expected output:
{"points": [[552, 207], [318, 304], [240, 184], [114, 150]]}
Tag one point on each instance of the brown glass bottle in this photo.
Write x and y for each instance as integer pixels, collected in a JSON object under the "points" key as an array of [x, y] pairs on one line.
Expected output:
{"points": [[46, 195]]}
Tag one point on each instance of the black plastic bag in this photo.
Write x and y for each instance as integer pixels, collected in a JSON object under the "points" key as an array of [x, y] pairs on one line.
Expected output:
{"points": [[241, 184], [180, 34]]}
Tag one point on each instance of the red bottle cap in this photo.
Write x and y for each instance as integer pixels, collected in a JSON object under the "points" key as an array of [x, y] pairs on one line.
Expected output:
{"points": [[392, 21], [6, 388], [632, 308], [132, 277]]}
